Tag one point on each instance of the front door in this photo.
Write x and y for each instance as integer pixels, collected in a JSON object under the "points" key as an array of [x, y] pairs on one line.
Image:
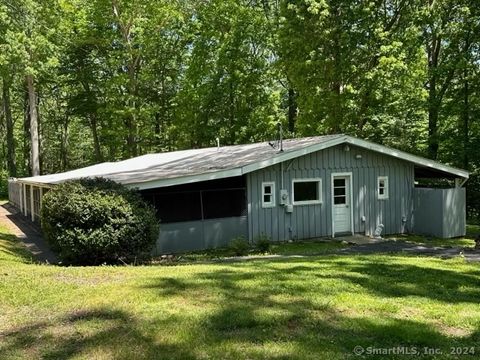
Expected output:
{"points": [[342, 221]]}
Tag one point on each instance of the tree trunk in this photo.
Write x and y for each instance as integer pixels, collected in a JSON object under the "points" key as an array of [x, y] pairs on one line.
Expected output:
{"points": [[433, 51], [432, 119], [231, 113], [26, 131], [131, 121], [11, 164], [465, 122], [465, 115], [292, 110], [336, 111], [34, 139], [64, 145], [96, 140]]}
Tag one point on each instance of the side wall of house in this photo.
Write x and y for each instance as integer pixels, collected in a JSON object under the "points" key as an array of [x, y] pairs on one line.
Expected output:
{"points": [[310, 221], [439, 212]]}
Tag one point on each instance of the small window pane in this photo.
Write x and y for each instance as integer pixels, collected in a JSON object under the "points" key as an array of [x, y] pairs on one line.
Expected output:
{"points": [[338, 182], [382, 187], [306, 191], [339, 191], [268, 194], [338, 200]]}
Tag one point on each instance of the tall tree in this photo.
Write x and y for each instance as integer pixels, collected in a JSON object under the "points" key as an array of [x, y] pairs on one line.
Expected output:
{"points": [[443, 31], [356, 66], [31, 41]]}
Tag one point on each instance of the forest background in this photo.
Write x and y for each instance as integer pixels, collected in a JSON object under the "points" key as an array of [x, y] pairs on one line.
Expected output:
{"points": [[84, 82]]}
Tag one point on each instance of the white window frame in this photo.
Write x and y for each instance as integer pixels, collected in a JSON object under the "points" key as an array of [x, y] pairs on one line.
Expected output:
{"points": [[271, 203], [385, 194], [308, 202]]}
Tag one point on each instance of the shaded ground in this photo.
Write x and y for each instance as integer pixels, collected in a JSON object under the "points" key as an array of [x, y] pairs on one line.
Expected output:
{"points": [[320, 307], [27, 232]]}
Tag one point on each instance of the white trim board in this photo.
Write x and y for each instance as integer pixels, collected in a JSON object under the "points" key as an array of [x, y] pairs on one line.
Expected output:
{"points": [[406, 156]]}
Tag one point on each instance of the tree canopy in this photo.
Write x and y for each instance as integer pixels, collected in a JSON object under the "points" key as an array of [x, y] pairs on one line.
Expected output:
{"points": [[102, 80]]}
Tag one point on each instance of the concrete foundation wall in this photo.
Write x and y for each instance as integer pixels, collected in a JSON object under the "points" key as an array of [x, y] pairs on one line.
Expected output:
{"points": [[197, 235]]}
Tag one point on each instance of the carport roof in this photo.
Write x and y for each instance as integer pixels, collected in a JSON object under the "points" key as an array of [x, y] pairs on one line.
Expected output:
{"points": [[187, 166]]}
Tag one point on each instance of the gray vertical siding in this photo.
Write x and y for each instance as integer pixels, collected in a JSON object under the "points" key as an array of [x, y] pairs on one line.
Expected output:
{"points": [[439, 212], [309, 221]]}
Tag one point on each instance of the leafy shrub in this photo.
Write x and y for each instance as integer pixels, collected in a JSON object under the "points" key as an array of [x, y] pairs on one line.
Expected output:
{"points": [[263, 243], [473, 198], [92, 221], [3, 184], [239, 246]]}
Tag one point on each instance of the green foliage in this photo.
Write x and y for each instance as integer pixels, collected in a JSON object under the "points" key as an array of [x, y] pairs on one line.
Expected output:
{"points": [[263, 243], [92, 221], [123, 78], [327, 304], [3, 184], [239, 246], [473, 197], [358, 69]]}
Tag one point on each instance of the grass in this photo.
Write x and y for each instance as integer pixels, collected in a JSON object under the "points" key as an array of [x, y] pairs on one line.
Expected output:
{"points": [[310, 247], [315, 308], [11, 250]]}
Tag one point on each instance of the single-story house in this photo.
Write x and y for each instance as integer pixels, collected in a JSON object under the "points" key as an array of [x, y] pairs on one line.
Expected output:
{"points": [[322, 186]]}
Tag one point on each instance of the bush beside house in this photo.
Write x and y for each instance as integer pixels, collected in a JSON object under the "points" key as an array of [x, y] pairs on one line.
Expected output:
{"points": [[94, 221]]}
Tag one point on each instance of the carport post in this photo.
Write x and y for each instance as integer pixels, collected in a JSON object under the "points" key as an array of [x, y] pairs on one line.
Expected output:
{"points": [[31, 203], [24, 199], [20, 195]]}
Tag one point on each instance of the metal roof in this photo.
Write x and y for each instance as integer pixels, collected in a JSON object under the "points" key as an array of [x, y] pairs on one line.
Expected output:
{"points": [[178, 167]]}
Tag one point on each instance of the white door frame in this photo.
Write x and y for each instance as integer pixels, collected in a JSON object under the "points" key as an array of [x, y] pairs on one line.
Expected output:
{"points": [[350, 176]]}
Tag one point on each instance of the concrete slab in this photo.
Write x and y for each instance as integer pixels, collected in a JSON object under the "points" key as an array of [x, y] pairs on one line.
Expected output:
{"points": [[359, 239]]}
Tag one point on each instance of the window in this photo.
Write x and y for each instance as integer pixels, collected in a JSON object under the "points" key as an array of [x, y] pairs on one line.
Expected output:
{"points": [[382, 187], [307, 191], [268, 194], [340, 191]]}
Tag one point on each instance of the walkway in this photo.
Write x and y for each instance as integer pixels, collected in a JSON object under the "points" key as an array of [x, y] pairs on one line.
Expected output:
{"points": [[27, 232], [399, 246], [363, 245]]}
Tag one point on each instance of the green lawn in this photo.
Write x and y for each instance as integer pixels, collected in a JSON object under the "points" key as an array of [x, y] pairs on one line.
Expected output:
{"points": [[307, 247], [315, 308]]}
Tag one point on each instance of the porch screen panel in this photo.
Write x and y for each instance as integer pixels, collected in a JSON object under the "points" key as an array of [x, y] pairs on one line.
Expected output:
{"points": [[224, 203], [36, 203], [178, 207], [28, 201]]}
